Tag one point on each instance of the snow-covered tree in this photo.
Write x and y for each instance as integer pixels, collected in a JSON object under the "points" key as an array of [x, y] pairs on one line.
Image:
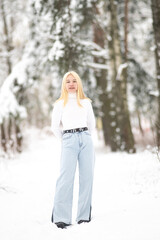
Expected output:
{"points": [[140, 71], [12, 75], [60, 44], [140, 53]]}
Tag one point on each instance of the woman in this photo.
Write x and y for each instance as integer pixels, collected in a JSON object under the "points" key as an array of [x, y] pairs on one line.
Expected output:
{"points": [[73, 111]]}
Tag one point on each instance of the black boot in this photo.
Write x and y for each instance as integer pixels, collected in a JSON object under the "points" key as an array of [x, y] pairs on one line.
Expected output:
{"points": [[62, 225], [83, 221]]}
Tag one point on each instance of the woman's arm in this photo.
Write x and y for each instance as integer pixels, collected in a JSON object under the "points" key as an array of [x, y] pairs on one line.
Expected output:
{"points": [[91, 118]]}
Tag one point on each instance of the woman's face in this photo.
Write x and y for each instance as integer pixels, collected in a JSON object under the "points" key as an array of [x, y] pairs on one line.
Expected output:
{"points": [[71, 84]]}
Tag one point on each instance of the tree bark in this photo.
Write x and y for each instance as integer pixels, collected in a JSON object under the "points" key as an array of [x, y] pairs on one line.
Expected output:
{"points": [[155, 5], [10, 138], [3, 137], [101, 79], [126, 30], [139, 122], [7, 39], [9, 65], [125, 140], [18, 135]]}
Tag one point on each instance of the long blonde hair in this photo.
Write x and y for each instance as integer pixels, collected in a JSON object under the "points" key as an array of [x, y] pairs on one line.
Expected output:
{"points": [[64, 93]]}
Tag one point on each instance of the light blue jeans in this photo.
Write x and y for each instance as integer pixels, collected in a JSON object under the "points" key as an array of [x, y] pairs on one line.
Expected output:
{"points": [[76, 147]]}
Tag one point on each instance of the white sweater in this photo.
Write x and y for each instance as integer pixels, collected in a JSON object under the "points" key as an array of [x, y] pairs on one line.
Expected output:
{"points": [[72, 116]]}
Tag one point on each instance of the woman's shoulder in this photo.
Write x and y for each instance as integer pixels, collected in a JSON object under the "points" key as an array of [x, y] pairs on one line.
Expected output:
{"points": [[58, 103], [86, 101]]}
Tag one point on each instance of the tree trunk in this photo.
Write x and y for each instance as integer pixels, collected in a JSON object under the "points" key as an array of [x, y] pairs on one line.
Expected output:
{"points": [[10, 138], [125, 139], [114, 59], [101, 79], [18, 136], [8, 61], [139, 122], [155, 4], [3, 137], [126, 30], [7, 40]]}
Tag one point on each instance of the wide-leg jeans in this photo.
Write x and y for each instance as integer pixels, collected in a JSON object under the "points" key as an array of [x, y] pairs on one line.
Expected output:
{"points": [[76, 147]]}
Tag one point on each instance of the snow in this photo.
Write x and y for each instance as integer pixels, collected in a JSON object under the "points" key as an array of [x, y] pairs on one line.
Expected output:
{"points": [[126, 194], [98, 65], [92, 45], [152, 48], [56, 51], [8, 101], [102, 53], [120, 69], [9, 105], [154, 93]]}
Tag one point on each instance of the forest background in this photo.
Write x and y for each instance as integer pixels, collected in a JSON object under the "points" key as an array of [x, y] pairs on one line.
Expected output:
{"points": [[113, 45]]}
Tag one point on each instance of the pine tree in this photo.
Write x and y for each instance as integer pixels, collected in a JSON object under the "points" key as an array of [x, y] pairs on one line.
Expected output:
{"points": [[67, 51]]}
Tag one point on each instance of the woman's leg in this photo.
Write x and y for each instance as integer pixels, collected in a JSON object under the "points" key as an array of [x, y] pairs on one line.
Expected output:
{"points": [[62, 211], [86, 171]]}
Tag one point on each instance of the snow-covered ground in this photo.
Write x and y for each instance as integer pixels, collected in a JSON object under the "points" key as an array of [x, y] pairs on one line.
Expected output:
{"points": [[126, 196]]}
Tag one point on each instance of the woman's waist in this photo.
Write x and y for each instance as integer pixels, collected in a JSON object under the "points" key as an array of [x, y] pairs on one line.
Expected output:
{"points": [[74, 130], [73, 126]]}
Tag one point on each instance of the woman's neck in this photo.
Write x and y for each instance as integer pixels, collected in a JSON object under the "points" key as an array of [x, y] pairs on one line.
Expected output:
{"points": [[72, 95]]}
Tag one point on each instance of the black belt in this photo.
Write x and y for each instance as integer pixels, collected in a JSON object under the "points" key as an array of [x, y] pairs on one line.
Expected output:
{"points": [[75, 130]]}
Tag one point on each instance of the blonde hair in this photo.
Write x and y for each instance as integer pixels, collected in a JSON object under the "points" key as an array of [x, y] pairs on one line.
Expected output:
{"points": [[64, 93]]}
